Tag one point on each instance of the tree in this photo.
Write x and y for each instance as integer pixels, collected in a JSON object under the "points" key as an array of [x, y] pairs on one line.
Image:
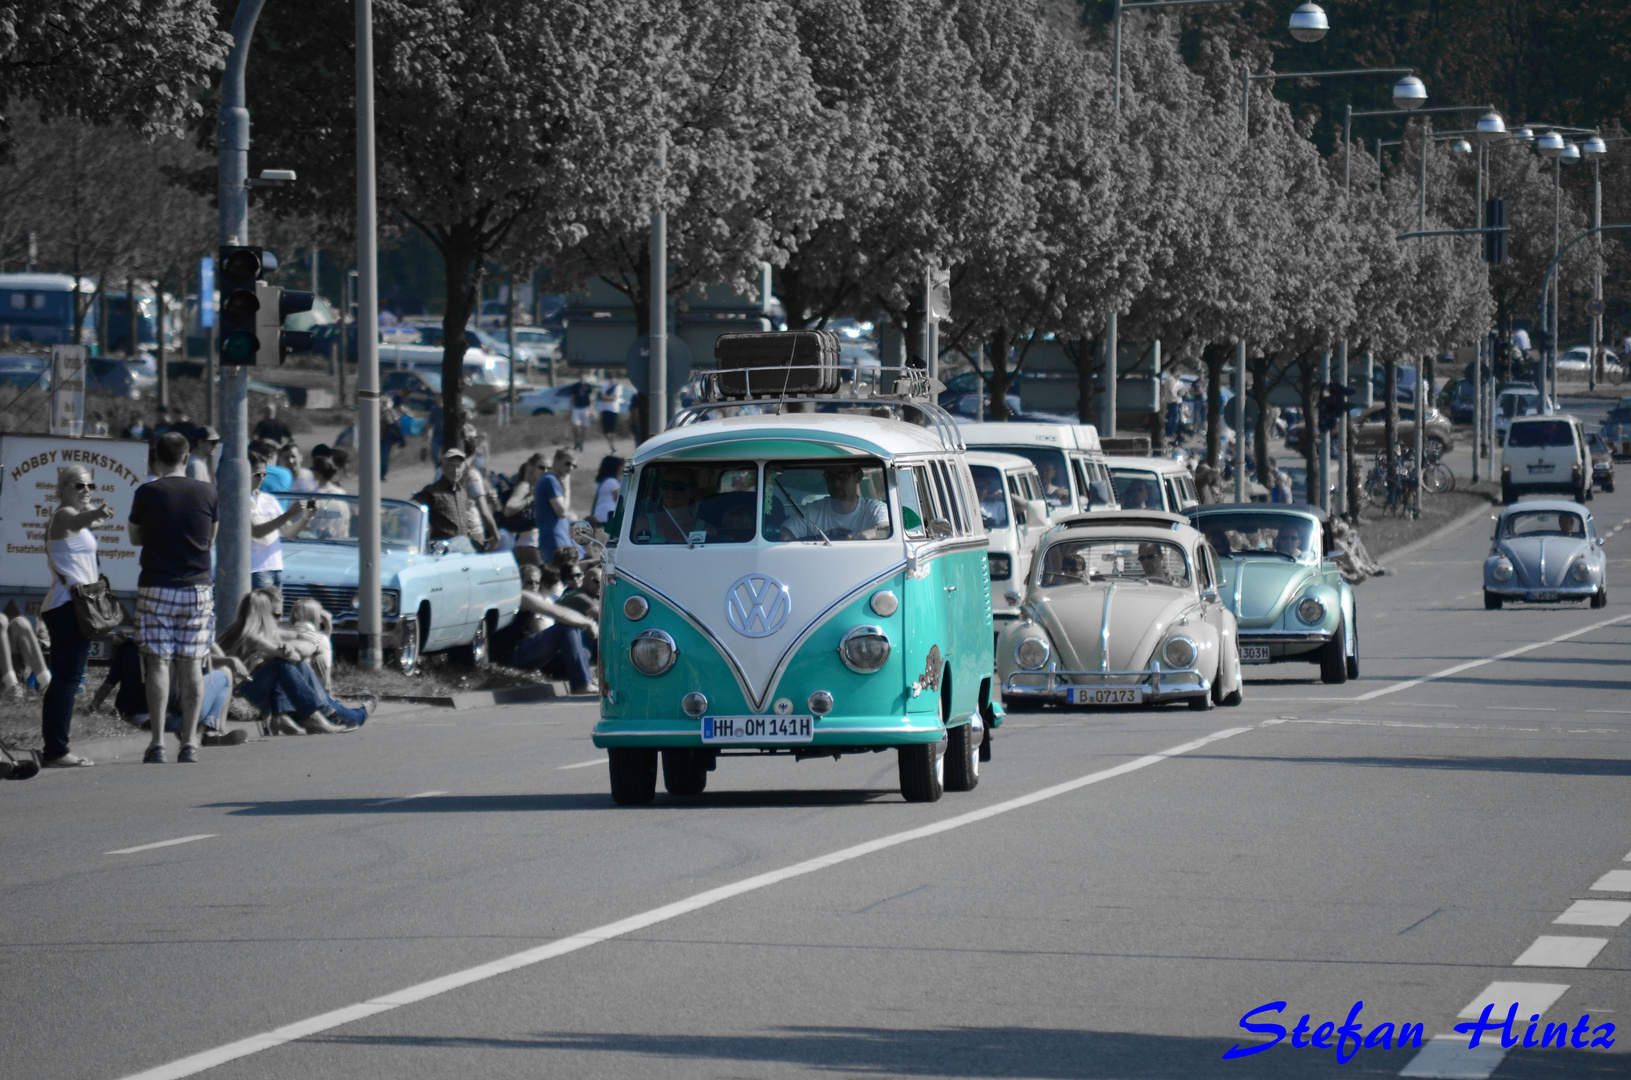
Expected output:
{"points": [[141, 62]]}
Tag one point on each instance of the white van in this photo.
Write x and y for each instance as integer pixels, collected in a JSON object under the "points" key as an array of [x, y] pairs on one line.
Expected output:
{"points": [[1152, 483], [1546, 454], [1015, 516], [1068, 458]]}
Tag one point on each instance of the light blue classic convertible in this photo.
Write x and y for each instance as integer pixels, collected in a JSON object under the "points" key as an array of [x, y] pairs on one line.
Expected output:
{"points": [[435, 595], [1545, 550], [1288, 596]]}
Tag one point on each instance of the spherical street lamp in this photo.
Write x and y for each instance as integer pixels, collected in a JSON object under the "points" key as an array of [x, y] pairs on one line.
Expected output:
{"points": [[1550, 145], [1409, 93], [1526, 133], [1594, 147], [1461, 146], [1491, 127], [1308, 23], [1570, 154]]}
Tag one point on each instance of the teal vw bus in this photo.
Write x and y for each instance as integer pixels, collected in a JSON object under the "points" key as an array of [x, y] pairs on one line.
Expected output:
{"points": [[800, 582]]}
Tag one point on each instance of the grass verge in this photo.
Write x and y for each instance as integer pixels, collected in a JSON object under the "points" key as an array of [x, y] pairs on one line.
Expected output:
{"points": [[1384, 532]]}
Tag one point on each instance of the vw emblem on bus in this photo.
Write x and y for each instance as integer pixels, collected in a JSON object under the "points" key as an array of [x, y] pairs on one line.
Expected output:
{"points": [[757, 605]]}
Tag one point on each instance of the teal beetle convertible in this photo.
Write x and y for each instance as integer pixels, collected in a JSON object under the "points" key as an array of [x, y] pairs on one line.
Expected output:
{"points": [[1288, 596]]}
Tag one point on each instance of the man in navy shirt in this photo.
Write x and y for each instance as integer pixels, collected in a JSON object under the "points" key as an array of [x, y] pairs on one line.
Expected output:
{"points": [[551, 506], [173, 520]]}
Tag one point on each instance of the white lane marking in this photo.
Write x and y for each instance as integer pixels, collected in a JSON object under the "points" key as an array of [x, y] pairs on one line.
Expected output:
{"points": [[1610, 712], [1448, 1056], [1627, 857], [1470, 664], [1532, 998], [161, 843], [1556, 951], [1596, 913], [584, 764], [1409, 724], [405, 798], [254, 1044], [1614, 881], [1518, 708]]}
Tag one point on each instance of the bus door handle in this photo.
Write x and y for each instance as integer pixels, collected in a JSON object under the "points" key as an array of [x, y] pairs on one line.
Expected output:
{"points": [[951, 588]]}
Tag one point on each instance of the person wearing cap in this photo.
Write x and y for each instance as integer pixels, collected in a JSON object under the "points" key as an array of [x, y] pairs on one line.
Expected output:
{"points": [[201, 461], [448, 499]]}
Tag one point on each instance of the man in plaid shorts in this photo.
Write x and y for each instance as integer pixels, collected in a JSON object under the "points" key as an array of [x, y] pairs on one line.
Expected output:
{"points": [[173, 520]]}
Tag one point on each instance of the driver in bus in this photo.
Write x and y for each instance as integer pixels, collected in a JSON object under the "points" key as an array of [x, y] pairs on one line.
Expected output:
{"points": [[673, 519], [844, 514], [1054, 488]]}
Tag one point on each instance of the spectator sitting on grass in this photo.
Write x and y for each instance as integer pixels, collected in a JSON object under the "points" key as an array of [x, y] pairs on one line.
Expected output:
{"points": [[129, 688], [283, 683], [583, 584], [20, 657], [547, 636]]}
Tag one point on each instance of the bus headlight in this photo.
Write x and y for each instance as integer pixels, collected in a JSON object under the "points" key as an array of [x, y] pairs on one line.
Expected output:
{"points": [[652, 652], [865, 649], [1032, 653], [1503, 571], [1310, 610], [1179, 652]]}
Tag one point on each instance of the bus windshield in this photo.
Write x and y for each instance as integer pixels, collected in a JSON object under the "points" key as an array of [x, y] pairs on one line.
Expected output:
{"points": [[694, 503], [826, 501]]}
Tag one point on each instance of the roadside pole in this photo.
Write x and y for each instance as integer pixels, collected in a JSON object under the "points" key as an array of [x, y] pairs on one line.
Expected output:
{"points": [[657, 372], [1324, 502], [369, 625], [1240, 420], [232, 478], [507, 413], [1344, 443], [1421, 423]]}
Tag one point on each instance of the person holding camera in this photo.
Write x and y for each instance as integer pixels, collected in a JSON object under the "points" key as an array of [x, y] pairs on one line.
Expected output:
{"points": [[71, 551], [269, 524]]}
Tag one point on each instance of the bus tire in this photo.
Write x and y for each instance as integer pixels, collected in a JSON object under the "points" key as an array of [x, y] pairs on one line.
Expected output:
{"points": [[922, 772], [634, 776], [962, 758], [685, 771]]}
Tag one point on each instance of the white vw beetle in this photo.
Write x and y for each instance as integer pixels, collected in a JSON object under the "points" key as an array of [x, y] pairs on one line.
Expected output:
{"points": [[1122, 608]]}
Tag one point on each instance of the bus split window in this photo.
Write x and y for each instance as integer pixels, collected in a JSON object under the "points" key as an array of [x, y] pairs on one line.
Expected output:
{"points": [[835, 501], [914, 519], [696, 503]]}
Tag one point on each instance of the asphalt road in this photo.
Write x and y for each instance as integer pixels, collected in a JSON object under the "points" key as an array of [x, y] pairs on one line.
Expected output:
{"points": [[454, 894]]}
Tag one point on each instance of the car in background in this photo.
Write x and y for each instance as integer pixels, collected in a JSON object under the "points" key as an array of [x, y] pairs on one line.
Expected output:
{"points": [[1370, 429], [419, 390], [491, 342], [25, 372], [1289, 597], [557, 400], [1155, 483], [1014, 515], [122, 378], [1616, 431], [1545, 550], [1122, 608], [1515, 400], [1546, 454], [1576, 362], [435, 596], [1602, 461], [1404, 382], [544, 341], [1458, 399]]}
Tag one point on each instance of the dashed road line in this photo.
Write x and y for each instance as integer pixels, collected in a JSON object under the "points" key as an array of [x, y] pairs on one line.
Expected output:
{"points": [[266, 1040], [584, 764], [1557, 951], [1596, 913], [1613, 881], [161, 843], [1449, 1055], [405, 798]]}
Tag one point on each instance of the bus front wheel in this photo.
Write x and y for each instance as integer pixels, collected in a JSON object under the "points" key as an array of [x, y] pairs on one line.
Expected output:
{"points": [[922, 771], [634, 776]]}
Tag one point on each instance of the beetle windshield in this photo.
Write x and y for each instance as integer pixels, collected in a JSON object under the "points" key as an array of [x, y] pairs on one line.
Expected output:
{"points": [[1077, 562], [1544, 523], [826, 501], [691, 503], [1288, 536], [993, 499]]}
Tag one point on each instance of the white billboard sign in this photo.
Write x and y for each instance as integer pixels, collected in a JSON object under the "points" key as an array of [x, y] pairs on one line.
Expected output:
{"points": [[28, 496]]}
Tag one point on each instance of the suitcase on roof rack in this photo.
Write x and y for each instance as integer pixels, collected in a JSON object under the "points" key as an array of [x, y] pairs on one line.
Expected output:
{"points": [[793, 364]]}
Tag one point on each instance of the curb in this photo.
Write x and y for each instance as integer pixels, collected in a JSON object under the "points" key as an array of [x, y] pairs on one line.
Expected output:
{"points": [[482, 699], [1437, 534]]}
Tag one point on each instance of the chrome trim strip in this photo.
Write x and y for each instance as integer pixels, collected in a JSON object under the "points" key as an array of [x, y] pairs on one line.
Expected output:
{"points": [[1104, 628], [1270, 637], [697, 731]]}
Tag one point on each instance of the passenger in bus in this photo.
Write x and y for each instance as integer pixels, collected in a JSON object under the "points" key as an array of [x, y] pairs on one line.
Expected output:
{"points": [[1054, 488], [1137, 496], [845, 514], [993, 500]]}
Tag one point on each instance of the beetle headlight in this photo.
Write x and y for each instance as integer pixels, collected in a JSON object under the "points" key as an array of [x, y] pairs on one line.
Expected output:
{"points": [[1503, 571], [1179, 652], [1310, 610], [1580, 571], [865, 649], [652, 652], [1032, 653]]}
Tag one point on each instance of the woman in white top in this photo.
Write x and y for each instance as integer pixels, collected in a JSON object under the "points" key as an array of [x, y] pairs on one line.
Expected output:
{"points": [[71, 552], [269, 523]]}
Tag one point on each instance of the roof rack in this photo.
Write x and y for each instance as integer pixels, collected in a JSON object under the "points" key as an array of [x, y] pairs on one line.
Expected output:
{"points": [[892, 390]]}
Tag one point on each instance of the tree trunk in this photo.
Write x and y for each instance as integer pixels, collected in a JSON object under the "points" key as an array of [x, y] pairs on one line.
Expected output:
{"points": [[1213, 357], [1390, 430], [999, 373], [462, 265], [1308, 378], [790, 289], [164, 375], [1087, 351]]}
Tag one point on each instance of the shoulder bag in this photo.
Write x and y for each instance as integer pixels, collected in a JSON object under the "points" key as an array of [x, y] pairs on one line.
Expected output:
{"points": [[96, 610]]}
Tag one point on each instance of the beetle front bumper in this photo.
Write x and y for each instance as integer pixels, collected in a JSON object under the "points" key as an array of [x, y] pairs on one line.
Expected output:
{"points": [[1157, 685], [1544, 596]]}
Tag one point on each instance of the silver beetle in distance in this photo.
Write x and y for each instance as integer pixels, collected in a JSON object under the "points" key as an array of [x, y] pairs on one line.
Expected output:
{"points": [[1545, 550]]}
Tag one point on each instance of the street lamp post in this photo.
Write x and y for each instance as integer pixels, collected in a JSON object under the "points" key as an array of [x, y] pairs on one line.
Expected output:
{"points": [[1594, 148]]}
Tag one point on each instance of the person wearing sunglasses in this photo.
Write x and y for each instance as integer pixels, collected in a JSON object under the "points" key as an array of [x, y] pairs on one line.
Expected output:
{"points": [[269, 524], [71, 554]]}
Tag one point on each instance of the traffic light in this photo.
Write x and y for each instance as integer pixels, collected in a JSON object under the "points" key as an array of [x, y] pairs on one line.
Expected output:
{"points": [[1333, 403], [1495, 242], [238, 271], [277, 304]]}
